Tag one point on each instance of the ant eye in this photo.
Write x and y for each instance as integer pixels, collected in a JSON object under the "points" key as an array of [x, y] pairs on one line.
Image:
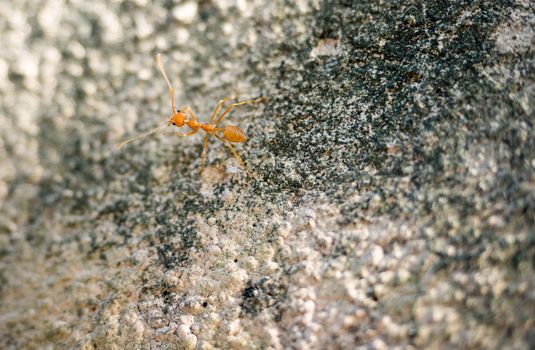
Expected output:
{"points": [[174, 123]]}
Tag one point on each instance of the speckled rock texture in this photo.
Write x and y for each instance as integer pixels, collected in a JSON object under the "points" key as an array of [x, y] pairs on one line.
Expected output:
{"points": [[391, 196]]}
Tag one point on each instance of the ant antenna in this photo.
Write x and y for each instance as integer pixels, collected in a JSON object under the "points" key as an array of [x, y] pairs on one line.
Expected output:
{"points": [[171, 90], [171, 93], [143, 135]]}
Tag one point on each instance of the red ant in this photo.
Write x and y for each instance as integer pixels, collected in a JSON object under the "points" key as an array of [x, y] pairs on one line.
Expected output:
{"points": [[179, 118]]}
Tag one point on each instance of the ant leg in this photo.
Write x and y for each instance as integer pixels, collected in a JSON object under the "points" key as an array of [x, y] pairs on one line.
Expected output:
{"points": [[218, 107], [180, 134], [229, 108], [205, 144], [191, 114], [186, 134], [171, 90], [233, 152]]}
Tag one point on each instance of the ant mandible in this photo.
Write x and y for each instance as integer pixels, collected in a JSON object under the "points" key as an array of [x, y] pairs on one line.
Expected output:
{"points": [[179, 118]]}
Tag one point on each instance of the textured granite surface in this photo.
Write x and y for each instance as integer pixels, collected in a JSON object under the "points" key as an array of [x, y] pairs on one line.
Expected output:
{"points": [[391, 202]]}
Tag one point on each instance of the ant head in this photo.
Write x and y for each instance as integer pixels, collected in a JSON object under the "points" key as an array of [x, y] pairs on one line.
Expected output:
{"points": [[178, 118]]}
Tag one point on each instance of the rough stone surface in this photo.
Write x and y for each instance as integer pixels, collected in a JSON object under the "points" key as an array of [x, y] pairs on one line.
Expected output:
{"points": [[391, 202]]}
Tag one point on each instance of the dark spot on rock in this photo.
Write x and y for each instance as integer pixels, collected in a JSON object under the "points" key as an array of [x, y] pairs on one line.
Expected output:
{"points": [[265, 293]]}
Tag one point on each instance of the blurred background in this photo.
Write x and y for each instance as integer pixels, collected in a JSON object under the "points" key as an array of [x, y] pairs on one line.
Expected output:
{"points": [[391, 196]]}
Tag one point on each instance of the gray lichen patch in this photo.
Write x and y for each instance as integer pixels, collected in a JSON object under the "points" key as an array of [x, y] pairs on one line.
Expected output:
{"points": [[391, 187]]}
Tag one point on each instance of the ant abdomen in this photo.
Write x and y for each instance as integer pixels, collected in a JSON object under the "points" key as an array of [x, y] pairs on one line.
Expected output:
{"points": [[234, 134]]}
